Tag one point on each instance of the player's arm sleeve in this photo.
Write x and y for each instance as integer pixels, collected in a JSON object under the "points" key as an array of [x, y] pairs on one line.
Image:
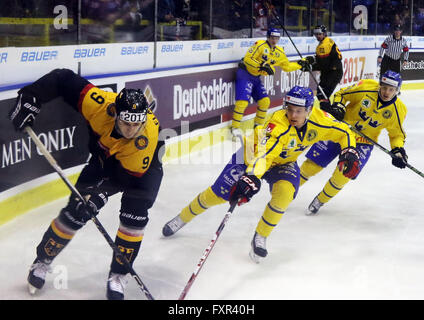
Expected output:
{"points": [[349, 94], [397, 135], [287, 65], [58, 83], [335, 56], [251, 57], [267, 149], [341, 134]]}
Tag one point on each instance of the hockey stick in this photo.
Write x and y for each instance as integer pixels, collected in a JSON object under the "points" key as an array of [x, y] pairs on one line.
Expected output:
{"points": [[327, 98], [297, 50], [207, 252], [99, 226], [381, 147]]}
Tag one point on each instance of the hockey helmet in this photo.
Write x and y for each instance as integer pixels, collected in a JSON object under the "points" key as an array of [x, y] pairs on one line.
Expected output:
{"points": [[131, 106], [273, 32], [391, 78], [397, 27], [320, 29], [300, 96]]}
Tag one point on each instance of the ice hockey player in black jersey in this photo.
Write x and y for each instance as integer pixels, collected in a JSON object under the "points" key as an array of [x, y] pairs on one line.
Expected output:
{"points": [[125, 158]]}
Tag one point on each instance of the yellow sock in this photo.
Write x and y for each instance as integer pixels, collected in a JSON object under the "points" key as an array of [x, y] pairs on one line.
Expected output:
{"points": [[261, 111], [282, 195], [308, 170], [238, 113], [333, 186], [203, 201]]}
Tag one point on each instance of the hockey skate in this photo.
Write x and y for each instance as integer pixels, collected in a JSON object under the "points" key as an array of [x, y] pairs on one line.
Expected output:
{"points": [[37, 275], [258, 250], [115, 286], [173, 226], [314, 207], [236, 134]]}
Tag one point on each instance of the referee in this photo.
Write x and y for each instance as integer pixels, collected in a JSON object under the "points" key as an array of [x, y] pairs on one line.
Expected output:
{"points": [[391, 51]]}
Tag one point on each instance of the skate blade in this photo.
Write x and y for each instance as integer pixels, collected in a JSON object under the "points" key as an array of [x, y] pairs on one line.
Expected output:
{"points": [[32, 290], [255, 258], [310, 213]]}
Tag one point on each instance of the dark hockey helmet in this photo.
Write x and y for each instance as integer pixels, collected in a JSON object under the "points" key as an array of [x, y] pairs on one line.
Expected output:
{"points": [[131, 105], [397, 27], [320, 29], [273, 32], [300, 96]]}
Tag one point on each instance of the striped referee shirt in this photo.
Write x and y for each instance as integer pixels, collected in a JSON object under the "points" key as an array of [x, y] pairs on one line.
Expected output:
{"points": [[393, 48]]}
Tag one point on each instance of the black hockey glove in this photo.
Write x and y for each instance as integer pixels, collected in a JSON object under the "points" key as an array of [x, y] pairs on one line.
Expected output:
{"points": [[244, 189], [349, 162], [310, 59], [84, 212], [267, 68], [401, 159], [25, 110], [337, 109], [305, 66]]}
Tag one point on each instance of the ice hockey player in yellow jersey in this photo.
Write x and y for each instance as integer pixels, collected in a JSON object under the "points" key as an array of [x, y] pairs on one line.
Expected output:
{"points": [[370, 107], [125, 158], [260, 60], [270, 154]]}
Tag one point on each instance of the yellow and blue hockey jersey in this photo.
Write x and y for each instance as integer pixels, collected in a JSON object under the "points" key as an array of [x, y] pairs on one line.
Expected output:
{"points": [[370, 115], [262, 52], [278, 142]]}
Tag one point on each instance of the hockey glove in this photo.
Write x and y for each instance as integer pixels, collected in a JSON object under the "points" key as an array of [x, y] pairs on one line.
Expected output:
{"points": [[305, 66], [25, 110], [267, 68], [310, 59], [337, 109], [244, 189], [349, 162], [94, 202], [401, 159]]}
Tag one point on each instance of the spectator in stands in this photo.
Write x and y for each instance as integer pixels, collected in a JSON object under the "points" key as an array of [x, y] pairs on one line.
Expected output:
{"points": [[166, 10]]}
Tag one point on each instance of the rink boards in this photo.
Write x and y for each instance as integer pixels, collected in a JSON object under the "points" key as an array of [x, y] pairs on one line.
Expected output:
{"points": [[194, 101]]}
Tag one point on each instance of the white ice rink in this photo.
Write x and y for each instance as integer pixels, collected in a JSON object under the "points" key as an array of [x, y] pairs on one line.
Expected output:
{"points": [[367, 243]]}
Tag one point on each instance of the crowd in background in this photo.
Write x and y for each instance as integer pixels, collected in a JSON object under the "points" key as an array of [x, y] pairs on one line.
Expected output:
{"points": [[134, 20]]}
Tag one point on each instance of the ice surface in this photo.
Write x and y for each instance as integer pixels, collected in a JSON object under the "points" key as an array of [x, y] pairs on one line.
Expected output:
{"points": [[367, 243]]}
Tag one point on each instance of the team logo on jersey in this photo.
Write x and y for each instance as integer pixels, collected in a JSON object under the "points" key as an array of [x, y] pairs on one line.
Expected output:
{"points": [[52, 248], [292, 143], [366, 103], [387, 114], [141, 142], [236, 173], [270, 127], [266, 51], [311, 135], [126, 252]]}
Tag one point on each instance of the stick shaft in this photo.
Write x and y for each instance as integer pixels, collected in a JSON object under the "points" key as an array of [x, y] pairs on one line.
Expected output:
{"points": [[96, 221], [206, 253]]}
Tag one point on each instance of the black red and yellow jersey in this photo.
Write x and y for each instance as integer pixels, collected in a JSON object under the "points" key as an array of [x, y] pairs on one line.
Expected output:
{"points": [[328, 56], [134, 155], [129, 157]]}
